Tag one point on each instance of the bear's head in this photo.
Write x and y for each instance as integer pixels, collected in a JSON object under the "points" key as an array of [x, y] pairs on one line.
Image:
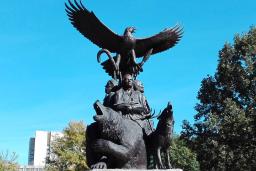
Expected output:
{"points": [[109, 122]]}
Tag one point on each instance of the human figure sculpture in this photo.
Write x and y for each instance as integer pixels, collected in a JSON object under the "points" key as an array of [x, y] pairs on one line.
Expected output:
{"points": [[122, 136], [127, 100], [132, 104], [138, 85], [111, 84]]}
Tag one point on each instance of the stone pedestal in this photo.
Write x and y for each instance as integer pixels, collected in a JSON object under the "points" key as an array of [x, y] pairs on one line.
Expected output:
{"points": [[137, 170]]}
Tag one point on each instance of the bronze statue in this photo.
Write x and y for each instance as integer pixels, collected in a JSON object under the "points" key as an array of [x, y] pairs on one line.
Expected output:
{"points": [[138, 86], [160, 140], [126, 46], [109, 90], [122, 135], [114, 141], [132, 104]]}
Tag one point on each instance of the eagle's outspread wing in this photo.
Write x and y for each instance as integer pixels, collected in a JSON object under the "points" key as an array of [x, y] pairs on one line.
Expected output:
{"points": [[159, 42], [92, 28]]}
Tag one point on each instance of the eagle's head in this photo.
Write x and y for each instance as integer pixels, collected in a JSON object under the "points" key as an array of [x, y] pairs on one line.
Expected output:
{"points": [[129, 30]]}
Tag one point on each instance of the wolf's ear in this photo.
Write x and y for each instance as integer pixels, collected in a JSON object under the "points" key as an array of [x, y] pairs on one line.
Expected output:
{"points": [[169, 105]]}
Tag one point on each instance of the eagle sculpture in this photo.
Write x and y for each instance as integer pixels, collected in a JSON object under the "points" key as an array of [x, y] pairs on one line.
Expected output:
{"points": [[125, 46]]}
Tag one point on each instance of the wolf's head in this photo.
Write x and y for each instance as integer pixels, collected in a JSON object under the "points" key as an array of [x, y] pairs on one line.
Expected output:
{"points": [[166, 117]]}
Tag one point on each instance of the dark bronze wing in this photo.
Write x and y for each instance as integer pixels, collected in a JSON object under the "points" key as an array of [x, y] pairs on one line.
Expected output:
{"points": [[92, 28], [159, 42], [108, 67]]}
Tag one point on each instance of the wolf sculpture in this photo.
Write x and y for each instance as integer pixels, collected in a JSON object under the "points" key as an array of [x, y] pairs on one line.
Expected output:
{"points": [[160, 140]]}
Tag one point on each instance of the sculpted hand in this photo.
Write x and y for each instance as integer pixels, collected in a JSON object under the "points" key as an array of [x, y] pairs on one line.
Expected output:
{"points": [[125, 108], [129, 108]]}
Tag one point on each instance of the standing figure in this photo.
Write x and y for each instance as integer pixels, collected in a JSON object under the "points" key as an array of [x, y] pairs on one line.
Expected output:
{"points": [[138, 86], [111, 84]]}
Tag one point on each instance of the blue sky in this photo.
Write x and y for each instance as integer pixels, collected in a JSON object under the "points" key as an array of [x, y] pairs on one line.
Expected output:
{"points": [[49, 74]]}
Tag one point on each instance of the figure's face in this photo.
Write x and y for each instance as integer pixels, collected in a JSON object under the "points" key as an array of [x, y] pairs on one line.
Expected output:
{"points": [[108, 87], [139, 86], [127, 81]]}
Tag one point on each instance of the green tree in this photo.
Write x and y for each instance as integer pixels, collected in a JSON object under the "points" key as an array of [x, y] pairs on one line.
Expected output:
{"points": [[8, 161], [224, 132], [181, 156], [68, 152]]}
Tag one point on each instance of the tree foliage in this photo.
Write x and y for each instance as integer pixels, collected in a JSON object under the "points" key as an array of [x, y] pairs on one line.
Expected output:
{"points": [[224, 132], [181, 156], [68, 152], [8, 161]]}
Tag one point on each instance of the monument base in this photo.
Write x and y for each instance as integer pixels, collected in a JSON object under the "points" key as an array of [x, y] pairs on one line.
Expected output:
{"points": [[137, 170]]}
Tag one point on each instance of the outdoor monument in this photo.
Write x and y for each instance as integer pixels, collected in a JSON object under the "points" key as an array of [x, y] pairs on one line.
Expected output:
{"points": [[122, 135]]}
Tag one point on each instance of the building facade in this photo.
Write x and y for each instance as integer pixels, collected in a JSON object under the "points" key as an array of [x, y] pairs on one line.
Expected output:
{"points": [[31, 151], [39, 147]]}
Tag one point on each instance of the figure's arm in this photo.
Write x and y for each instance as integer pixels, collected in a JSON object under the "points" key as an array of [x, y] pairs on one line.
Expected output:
{"points": [[145, 105], [141, 107], [145, 102], [119, 106], [130, 108], [138, 109], [123, 107]]}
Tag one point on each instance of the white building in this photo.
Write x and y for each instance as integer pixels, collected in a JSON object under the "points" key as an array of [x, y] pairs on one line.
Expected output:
{"points": [[39, 147]]}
